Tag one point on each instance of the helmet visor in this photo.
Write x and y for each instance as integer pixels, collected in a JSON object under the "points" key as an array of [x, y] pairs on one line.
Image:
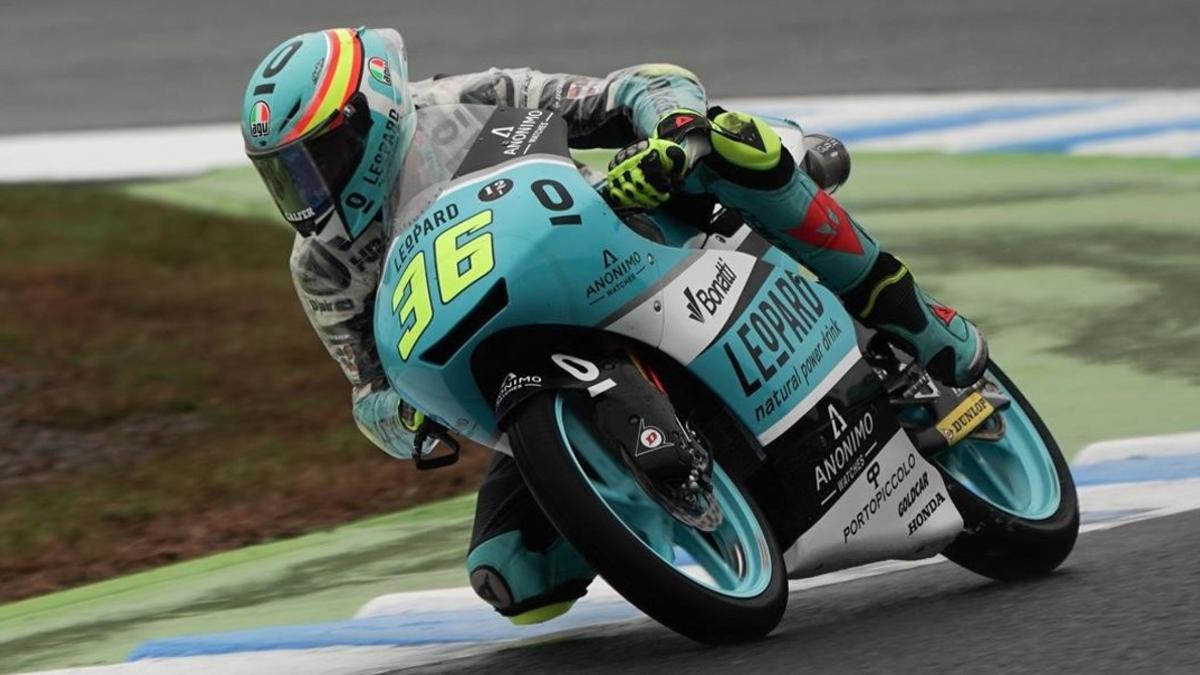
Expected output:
{"points": [[306, 177]]}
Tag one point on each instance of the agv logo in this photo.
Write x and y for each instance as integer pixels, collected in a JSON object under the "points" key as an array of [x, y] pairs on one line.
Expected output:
{"points": [[260, 119]]}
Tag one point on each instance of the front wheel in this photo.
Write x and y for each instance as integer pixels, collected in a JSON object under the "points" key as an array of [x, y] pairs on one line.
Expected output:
{"points": [[726, 585], [1016, 495]]}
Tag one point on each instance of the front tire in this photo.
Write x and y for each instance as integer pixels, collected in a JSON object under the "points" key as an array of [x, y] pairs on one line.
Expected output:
{"points": [[563, 477], [999, 542]]}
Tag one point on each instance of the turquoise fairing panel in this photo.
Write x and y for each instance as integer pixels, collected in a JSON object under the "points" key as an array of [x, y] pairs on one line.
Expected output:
{"points": [[568, 260], [555, 274]]}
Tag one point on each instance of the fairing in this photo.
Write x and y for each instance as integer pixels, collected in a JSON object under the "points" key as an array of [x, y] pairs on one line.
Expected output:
{"points": [[743, 317]]}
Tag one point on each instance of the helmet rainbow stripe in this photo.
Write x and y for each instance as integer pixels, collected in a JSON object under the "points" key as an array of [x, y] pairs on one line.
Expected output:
{"points": [[339, 80]]}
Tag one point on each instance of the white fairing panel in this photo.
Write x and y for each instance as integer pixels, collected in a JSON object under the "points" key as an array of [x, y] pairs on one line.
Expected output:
{"points": [[695, 305], [897, 508]]}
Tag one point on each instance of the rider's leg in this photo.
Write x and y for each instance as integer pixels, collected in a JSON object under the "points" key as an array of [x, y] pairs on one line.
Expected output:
{"points": [[759, 179], [518, 562]]}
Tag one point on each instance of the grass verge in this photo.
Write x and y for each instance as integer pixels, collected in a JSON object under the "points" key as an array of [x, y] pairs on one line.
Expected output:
{"points": [[162, 395], [310, 578]]}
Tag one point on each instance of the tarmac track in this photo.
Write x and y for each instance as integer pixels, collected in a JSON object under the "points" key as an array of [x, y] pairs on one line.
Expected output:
{"points": [[1127, 600], [81, 64]]}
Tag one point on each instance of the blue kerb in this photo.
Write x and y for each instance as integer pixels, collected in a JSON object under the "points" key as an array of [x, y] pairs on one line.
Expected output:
{"points": [[1138, 470]]}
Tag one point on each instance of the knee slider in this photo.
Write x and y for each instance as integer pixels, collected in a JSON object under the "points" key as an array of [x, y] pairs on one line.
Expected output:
{"points": [[491, 587], [520, 583]]}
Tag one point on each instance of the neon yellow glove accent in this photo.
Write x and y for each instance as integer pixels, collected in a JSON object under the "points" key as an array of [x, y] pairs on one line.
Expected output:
{"points": [[411, 418], [643, 175]]}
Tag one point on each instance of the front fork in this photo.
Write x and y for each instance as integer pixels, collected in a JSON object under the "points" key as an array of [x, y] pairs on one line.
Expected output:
{"points": [[667, 458]]}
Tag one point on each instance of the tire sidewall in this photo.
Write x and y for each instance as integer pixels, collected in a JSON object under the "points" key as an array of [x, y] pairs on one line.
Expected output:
{"points": [[631, 567], [1001, 545]]}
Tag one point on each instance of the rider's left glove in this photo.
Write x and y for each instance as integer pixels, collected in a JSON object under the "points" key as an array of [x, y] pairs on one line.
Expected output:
{"points": [[389, 421], [644, 174]]}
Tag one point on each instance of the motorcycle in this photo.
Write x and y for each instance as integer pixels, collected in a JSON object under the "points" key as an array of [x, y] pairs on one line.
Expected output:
{"points": [[692, 410]]}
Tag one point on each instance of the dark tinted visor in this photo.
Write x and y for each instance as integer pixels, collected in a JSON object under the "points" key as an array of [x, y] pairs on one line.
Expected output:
{"points": [[306, 178]]}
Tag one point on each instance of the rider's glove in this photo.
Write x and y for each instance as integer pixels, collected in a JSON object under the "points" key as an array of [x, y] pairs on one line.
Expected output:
{"points": [[644, 174], [390, 422], [678, 124], [412, 420]]}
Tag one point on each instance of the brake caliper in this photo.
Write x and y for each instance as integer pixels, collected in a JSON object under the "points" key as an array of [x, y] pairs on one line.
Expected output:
{"points": [[667, 458]]}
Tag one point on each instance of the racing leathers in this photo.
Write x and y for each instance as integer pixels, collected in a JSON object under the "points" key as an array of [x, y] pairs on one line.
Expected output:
{"points": [[517, 560], [336, 278]]}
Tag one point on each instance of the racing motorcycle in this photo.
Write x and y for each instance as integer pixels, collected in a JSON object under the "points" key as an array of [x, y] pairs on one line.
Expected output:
{"points": [[694, 412]]}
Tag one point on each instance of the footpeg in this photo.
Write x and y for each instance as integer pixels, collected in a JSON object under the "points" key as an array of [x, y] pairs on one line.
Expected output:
{"points": [[959, 414]]}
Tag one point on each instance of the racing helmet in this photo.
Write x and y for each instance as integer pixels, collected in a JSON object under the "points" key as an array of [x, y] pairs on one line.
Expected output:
{"points": [[327, 120]]}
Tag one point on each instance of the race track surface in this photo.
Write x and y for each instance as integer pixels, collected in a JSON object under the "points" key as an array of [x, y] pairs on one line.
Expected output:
{"points": [[79, 64], [1126, 601]]}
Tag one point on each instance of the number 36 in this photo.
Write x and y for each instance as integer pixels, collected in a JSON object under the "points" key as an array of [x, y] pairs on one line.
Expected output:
{"points": [[458, 264]]}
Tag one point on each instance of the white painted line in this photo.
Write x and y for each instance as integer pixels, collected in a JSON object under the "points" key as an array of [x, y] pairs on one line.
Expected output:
{"points": [[149, 152], [1171, 445], [454, 599], [120, 154], [1170, 144]]}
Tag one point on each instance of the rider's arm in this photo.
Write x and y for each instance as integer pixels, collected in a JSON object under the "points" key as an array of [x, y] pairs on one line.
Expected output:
{"points": [[337, 289], [601, 112]]}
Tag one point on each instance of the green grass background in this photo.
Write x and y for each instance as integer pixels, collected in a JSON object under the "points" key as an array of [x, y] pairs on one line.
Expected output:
{"points": [[1083, 273]]}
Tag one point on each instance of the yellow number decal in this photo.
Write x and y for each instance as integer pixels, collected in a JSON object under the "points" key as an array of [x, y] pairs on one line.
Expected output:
{"points": [[460, 265], [411, 300]]}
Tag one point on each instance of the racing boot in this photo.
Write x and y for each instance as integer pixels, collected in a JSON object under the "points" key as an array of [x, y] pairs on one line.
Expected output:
{"points": [[951, 348], [518, 563], [751, 172]]}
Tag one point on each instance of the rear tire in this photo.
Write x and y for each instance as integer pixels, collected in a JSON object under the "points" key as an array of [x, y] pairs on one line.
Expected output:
{"points": [[1005, 547], [624, 560]]}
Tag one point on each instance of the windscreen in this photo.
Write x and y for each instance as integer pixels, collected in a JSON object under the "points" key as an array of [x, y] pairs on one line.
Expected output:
{"points": [[444, 136]]}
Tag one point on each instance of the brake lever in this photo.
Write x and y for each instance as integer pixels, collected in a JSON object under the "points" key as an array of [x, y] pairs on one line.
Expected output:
{"points": [[431, 429]]}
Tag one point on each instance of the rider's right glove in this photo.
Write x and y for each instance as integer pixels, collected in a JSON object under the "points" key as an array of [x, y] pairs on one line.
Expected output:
{"points": [[644, 174]]}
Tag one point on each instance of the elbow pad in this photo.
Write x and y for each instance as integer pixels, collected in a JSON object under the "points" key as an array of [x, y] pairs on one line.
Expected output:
{"points": [[826, 161]]}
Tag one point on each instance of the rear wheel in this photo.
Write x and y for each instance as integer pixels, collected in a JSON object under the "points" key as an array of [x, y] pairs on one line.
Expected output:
{"points": [[719, 586], [1016, 495]]}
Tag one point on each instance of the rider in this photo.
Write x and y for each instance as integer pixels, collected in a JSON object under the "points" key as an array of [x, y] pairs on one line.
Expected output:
{"points": [[328, 121]]}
